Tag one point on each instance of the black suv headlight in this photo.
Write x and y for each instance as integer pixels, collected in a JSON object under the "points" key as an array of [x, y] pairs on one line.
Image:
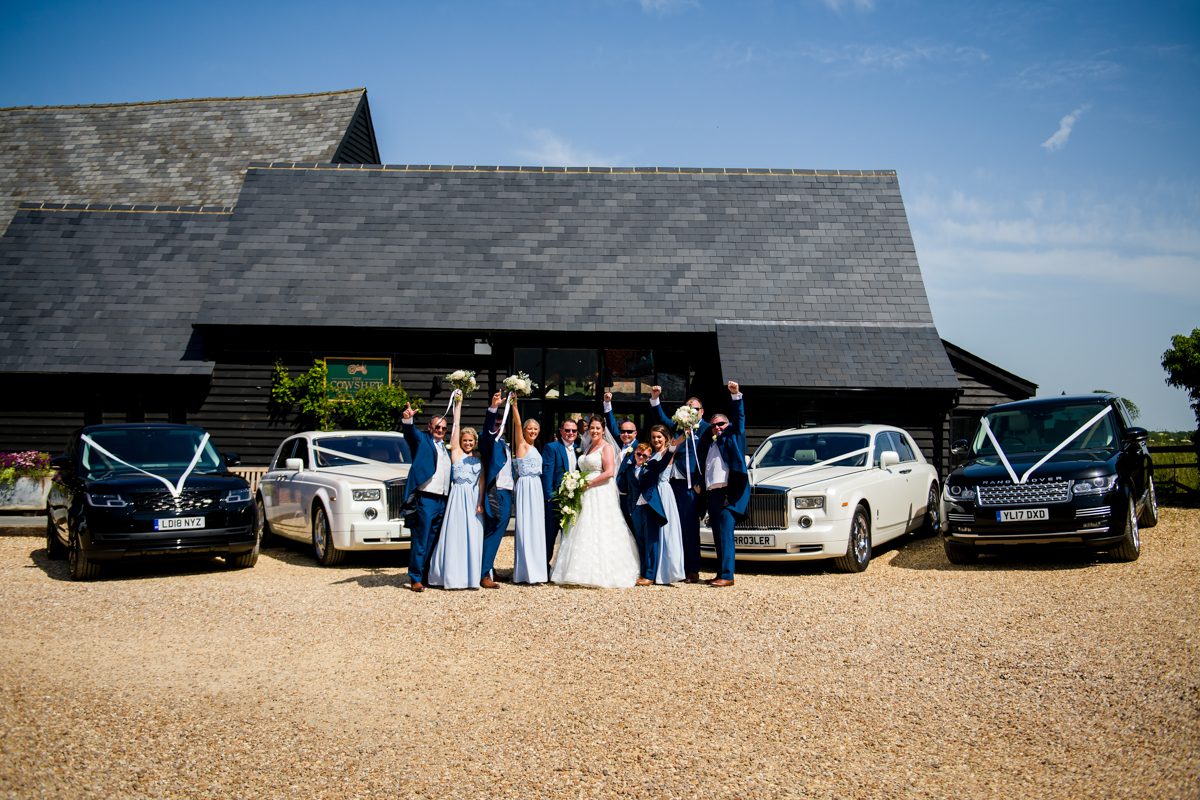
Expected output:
{"points": [[955, 492], [105, 500], [236, 496], [1099, 485]]}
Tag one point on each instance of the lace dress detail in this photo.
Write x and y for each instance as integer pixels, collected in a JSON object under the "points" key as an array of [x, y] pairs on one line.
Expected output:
{"points": [[599, 550], [529, 541], [457, 560]]}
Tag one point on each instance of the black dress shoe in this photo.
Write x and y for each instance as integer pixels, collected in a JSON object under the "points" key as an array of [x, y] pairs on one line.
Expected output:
{"points": [[693, 577]]}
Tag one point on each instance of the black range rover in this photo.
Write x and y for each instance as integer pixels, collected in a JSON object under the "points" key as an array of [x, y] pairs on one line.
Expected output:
{"points": [[1067, 470], [118, 492]]}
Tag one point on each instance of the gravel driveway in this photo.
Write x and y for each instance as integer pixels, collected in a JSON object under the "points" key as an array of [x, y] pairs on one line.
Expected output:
{"points": [[1034, 675]]}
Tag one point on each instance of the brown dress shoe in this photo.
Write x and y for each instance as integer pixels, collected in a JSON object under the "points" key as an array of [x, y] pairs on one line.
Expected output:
{"points": [[693, 577], [644, 582], [720, 583], [488, 583], [417, 586]]}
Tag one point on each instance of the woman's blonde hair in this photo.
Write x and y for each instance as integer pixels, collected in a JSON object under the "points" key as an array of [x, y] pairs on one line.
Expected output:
{"points": [[464, 432]]}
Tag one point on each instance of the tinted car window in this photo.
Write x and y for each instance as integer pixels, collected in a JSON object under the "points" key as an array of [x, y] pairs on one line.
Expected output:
{"points": [[1041, 429], [332, 451], [285, 453], [906, 452], [128, 450], [302, 452]]}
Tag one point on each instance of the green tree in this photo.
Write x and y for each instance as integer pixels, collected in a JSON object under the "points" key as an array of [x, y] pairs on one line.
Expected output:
{"points": [[306, 398], [1182, 363]]}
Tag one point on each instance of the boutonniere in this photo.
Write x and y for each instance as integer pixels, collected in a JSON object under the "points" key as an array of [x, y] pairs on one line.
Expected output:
{"points": [[715, 436]]}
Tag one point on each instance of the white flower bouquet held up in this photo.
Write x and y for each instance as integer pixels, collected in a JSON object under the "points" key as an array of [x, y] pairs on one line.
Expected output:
{"points": [[520, 384], [463, 380], [568, 498], [686, 418]]}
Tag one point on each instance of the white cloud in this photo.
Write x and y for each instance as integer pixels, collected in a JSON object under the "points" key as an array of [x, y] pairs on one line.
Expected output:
{"points": [[836, 6], [885, 57], [1065, 125], [1068, 73], [663, 7], [548, 149]]}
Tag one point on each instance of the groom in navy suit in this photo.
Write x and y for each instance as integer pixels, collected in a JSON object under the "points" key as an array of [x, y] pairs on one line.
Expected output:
{"points": [[625, 432], [687, 498], [498, 483], [558, 458], [723, 456], [425, 491]]}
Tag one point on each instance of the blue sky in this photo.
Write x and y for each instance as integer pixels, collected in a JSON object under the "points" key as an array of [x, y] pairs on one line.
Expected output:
{"points": [[1046, 151]]}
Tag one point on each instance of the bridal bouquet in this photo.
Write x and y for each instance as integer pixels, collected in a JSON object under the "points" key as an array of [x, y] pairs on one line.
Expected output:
{"points": [[520, 384], [568, 498], [463, 380], [686, 418]]}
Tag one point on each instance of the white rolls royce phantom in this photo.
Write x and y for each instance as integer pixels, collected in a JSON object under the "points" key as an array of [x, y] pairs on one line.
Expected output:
{"points": [[338, 490], [834, 492]]}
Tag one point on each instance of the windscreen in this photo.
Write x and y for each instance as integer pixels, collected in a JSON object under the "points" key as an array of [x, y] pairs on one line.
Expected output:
{"points": [[162, 451], [331, 451], [1039, 429], [805, 449]]}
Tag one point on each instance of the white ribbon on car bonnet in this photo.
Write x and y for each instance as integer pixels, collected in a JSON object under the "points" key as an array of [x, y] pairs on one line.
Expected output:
{"points": [[987, 429], [175, 489], [820, 464]]}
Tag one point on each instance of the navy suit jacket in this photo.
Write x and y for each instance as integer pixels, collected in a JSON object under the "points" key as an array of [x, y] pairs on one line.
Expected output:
{"points": [[647, 486], [702, 431], [731, 443], [554, 466], [624, 476], [494, 457], [424, 458]]}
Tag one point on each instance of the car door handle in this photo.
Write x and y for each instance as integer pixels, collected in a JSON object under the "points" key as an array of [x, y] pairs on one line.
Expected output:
{"points": [[905, 471]]}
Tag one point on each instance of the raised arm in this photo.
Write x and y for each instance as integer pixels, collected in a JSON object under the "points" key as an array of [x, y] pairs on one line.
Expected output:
{"points": [[656, 404], [610, 418], [456, 453], [409, 429], [520, 446], [737, 414]]}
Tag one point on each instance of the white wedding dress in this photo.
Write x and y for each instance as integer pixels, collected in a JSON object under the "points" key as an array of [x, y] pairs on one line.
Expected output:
{"points": [[599, 550]]}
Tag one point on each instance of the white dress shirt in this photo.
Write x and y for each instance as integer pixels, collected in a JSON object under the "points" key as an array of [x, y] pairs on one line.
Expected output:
{"points": [[505, 479]]}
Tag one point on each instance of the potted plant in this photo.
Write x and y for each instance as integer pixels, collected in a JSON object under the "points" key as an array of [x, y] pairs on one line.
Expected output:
{"points": [[24, 480]]}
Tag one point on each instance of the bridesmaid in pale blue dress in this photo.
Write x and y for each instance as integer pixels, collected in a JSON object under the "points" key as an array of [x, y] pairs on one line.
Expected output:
{"points": [[529, 541], [457, 560], [670, 542]]}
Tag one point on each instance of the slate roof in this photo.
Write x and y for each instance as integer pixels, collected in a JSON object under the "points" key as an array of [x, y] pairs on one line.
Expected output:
{"points": [[84, 291], [805, 268], [173, 152], [835, 356], [442, 247]]}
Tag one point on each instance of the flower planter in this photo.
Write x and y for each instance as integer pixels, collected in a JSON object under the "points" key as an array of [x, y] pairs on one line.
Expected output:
{"points": [[24, 494]]}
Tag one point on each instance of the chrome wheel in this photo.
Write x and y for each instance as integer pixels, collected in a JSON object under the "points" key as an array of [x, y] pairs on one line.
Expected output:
{"points": [[323, 549], [858, 548], [1130, 546], [932, 525], [82, 568]]}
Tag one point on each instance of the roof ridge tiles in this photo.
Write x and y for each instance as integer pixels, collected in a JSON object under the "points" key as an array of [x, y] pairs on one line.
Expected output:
{"points": [[176, 101], [582, 170], [126, 208]]}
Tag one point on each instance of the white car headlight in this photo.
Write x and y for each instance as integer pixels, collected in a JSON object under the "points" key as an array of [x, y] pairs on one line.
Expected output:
{"points": [[365, 495], [810, 502], [236, 496], [106, 500], [1100, 485]]}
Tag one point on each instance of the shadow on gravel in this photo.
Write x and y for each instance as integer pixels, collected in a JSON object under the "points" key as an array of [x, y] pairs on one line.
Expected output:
{"points": [[817, 567], [133, 568], [379, 566], [927, 554]]}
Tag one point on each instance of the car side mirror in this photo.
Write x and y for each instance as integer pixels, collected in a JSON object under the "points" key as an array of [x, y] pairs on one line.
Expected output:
{"points": [[293, 465], [60, 462], [888, 458], [1134, 435], [232, 459], [959, 448]]}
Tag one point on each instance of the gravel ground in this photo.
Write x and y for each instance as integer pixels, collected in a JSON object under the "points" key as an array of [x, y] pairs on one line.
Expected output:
{"points": [[1031, 675]]}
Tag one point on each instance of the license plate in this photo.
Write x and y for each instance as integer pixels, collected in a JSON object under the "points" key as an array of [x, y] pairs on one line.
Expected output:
{"points": [[178, 523], [754, 540], [1023, 515]]}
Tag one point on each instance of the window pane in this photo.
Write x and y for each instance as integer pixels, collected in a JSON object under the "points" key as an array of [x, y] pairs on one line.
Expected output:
{"points": [[530, 361], [571, 373], [630, 373]]}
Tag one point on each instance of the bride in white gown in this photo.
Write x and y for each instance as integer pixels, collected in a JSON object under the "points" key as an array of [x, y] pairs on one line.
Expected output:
{"points": [[599, 550]]}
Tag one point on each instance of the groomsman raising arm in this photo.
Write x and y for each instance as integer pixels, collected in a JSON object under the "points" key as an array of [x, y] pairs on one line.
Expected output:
{"points": [[425, 491], [686, 498], [723, 455], [625, 432]]}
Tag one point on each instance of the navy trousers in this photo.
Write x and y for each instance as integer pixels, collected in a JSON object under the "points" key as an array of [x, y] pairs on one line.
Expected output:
{"points": [[496, 514], [689, 521], [722, 520], [646, 525], [426, 521]]}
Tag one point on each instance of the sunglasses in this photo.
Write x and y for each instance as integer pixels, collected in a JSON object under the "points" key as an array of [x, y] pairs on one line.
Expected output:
{"points": [[641, 456], [569, 430], [439, 427], [720, 424], [630, 432]]}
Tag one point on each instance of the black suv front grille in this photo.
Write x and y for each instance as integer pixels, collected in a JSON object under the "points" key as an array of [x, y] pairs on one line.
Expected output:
{"points": [[187, 501], [1036, 490]]}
